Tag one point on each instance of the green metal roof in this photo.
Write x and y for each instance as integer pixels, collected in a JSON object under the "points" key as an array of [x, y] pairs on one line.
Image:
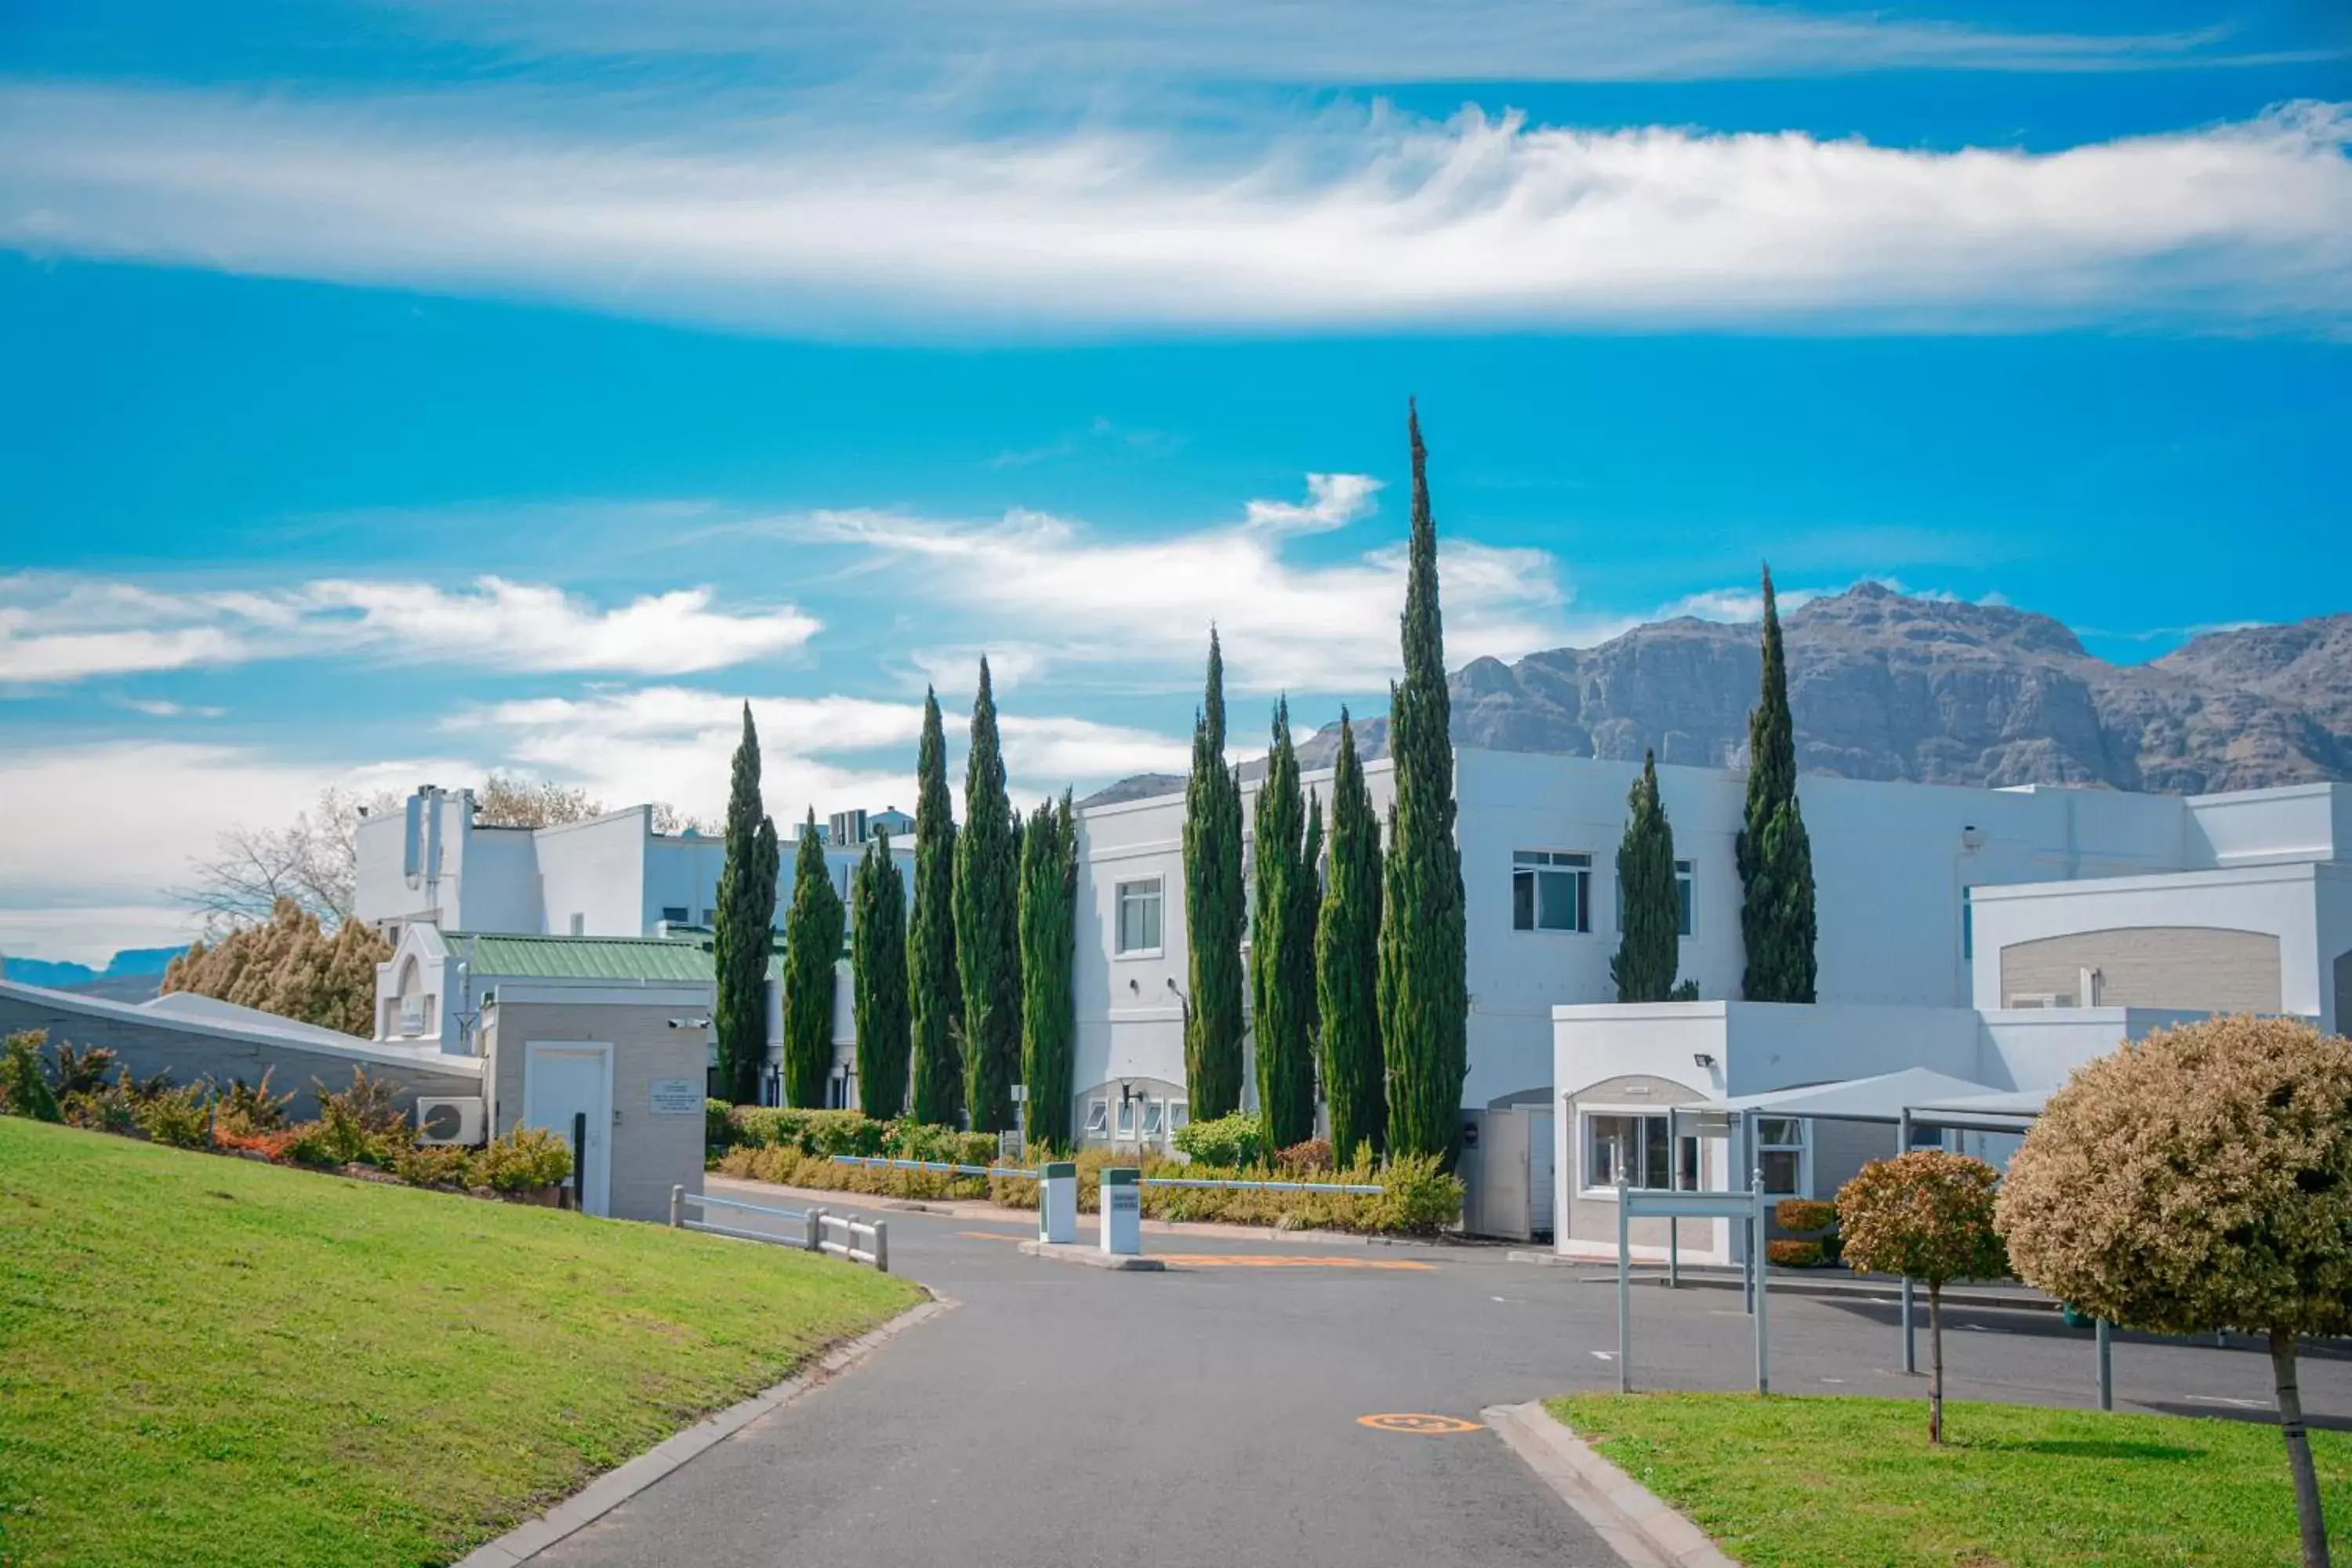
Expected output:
{"points": [[496, 957]]}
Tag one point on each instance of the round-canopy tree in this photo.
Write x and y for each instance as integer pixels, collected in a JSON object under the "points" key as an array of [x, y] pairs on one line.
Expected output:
{"points": [[1928, 1215], [2200, 1180]]}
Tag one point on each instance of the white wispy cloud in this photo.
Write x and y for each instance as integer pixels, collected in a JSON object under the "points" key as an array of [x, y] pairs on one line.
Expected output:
{"points": [[56, 628], [1140, 609], [809, 223], [674, 744]]}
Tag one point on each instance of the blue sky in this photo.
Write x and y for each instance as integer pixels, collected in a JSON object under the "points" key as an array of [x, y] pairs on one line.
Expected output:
{"points": [[396, 391]]}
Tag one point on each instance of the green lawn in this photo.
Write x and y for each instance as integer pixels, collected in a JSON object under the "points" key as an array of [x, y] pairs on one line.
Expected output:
{"points": [[1846, 1483], [206, 1360]]}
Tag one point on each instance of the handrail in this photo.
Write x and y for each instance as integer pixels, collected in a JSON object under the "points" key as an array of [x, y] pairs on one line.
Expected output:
{"points": [[877, 1162], [708, 1201], [1358, 1189]]}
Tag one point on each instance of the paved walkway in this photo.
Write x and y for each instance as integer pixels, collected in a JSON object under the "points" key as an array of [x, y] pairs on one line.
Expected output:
{"points": [[1210, 1414]]}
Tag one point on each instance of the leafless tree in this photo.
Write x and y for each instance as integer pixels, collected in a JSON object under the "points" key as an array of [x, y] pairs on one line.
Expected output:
{"points": [[312, 861]]}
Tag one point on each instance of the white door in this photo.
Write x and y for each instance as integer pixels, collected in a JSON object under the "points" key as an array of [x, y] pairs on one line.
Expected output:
{"points": [[564, 1080]]}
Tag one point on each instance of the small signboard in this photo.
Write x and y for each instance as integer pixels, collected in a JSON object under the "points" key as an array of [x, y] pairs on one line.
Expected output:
{"points": [[677, 1096]]}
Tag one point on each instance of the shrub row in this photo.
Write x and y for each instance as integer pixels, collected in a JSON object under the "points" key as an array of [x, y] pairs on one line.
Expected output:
{"points": [[824, 1133], [1416, 1198], [360, 1126]]}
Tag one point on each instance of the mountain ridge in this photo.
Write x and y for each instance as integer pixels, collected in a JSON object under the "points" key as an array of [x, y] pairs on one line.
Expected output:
{"points": [[1890, 686]]}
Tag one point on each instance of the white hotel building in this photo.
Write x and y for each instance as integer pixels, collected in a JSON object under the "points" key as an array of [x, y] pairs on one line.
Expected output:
{"points": [[1951, 921]]}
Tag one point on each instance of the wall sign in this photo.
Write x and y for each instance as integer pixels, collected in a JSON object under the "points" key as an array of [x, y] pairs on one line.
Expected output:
{"points": [[677, 1096]]}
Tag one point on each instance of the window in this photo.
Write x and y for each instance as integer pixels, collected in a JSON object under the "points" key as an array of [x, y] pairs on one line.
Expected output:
{"points": [[1155, 1119], [1634, 1146], [1685, 872], [1781, 1154], [677, 914], [579, 924], [1179, 1113], [1552, 889], [711, 917], [1126, 1119], [1097, 1118], [1139, 916], [1967, 926]]}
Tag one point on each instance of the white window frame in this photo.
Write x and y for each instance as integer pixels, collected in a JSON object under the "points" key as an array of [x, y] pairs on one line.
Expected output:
{"points": [[1684, 1134], [1123, 1122], [1533, 864], [1180, 1113], [1118, 900], [1686, 894], [1802, 1148], [1155, 1121], [1097, 1123]]}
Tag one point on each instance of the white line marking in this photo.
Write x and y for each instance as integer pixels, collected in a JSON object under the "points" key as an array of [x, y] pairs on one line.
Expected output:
{"points": [[1605, 1355]]}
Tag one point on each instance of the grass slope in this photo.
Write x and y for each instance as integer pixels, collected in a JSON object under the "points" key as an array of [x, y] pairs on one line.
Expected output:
{"points": [[1840, 1483], [212, 1361]]}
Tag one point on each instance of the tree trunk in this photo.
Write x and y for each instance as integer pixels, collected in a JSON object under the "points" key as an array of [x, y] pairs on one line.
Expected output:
{"points": [[1935, 1362], [2298, 1451]]}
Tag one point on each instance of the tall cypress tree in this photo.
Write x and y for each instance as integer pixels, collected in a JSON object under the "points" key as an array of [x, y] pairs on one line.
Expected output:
{"points": [[1048, 938], [878, 958], [1423, 961], [1347, 962], [1282, 950], [1213, 911], [934, 984], [743, 928], [811, 949], [1775, 855], [987, 921], [1649, 942]]}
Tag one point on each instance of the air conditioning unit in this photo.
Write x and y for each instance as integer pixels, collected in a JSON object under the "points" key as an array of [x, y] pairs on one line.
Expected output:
{"points": [[454, 1121]]}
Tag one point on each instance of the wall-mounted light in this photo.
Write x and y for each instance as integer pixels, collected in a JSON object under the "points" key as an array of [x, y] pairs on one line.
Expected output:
{"points": [[1135, 986], [1704, 1060], [689, 1023]]}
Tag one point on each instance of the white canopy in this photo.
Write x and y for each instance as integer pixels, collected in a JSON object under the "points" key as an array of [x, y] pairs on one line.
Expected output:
{"points": [[2023, 1103], [1881, 1099]]}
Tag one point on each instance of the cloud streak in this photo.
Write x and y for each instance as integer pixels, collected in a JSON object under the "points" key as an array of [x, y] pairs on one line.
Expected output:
{"points": [[57, 630], [1349, 219]]}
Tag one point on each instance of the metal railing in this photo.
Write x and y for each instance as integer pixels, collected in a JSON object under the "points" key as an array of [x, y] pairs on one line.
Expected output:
{"points": [[877, 1163], [1356, 1188], [861, 1241]]}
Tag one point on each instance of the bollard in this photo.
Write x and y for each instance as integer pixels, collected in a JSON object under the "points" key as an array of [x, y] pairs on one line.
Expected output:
{"points": [[676, 1207], [814, 1241], [2105, 1333], [1057, 1203], [1122, 1212]]}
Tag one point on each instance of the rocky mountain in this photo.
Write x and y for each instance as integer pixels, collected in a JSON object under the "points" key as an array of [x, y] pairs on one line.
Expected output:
{"points": [[1885, 686]]}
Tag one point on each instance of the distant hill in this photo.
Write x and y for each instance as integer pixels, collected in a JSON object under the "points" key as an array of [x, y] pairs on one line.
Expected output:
{"points": [[134, 974], [1885, 686]]}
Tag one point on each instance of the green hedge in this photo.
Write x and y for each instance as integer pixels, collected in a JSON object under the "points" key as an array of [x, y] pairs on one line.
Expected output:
{"points": [[826, 1133], [1416, 1198]]}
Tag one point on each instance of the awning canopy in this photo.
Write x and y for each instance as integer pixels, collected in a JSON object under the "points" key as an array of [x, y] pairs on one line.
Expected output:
{"points": [[1884, 1098], [2022, 1103]]}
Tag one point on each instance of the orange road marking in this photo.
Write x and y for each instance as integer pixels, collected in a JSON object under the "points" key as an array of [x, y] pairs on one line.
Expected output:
{"points": [[1417, 1425]]}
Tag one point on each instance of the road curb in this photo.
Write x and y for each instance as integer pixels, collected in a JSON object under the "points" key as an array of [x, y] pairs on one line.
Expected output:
{"points": [[615, 1487], [1631, 1518]]}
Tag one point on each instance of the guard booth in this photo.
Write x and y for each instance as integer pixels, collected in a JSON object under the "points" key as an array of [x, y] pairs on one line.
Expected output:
{"points": [[1507, 1171]]}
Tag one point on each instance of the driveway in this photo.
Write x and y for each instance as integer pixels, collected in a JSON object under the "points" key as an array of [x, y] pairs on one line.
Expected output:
{"points": [[1211, 1414]]}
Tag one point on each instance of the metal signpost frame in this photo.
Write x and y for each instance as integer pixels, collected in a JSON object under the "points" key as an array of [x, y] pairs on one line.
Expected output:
{"points": [[1749, 1207]]}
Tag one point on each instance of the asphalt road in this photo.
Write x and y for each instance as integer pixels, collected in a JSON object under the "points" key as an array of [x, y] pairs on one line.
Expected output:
{"points": [[1210, 1414]]}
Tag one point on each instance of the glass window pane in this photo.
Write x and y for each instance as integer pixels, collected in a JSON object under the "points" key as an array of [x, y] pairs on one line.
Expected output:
{"points": [[1126, 1119], [1781, 1168], [1683, 882], [1523, 901], [1155, 1117], [1779, 1129], [1654, 1163], [1179, 1113], [1686, 1167], [1097, 1117], [1555, 905], [1607, 1140]]}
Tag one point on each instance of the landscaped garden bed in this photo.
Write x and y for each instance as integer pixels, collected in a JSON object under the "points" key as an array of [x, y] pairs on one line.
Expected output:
{"points": [[213, 1361], [799, 1148], [1852, 1483]]}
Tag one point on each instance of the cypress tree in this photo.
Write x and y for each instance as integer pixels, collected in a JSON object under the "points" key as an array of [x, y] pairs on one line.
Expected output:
{"points": [[1049, 865], [1776, 856], [1282, 950], [987, 922], [1213, 911], [811, 949], [1423, 961], [934, 986], [1649, 942], [1347, 962], [878, 957], [743, 928]]}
